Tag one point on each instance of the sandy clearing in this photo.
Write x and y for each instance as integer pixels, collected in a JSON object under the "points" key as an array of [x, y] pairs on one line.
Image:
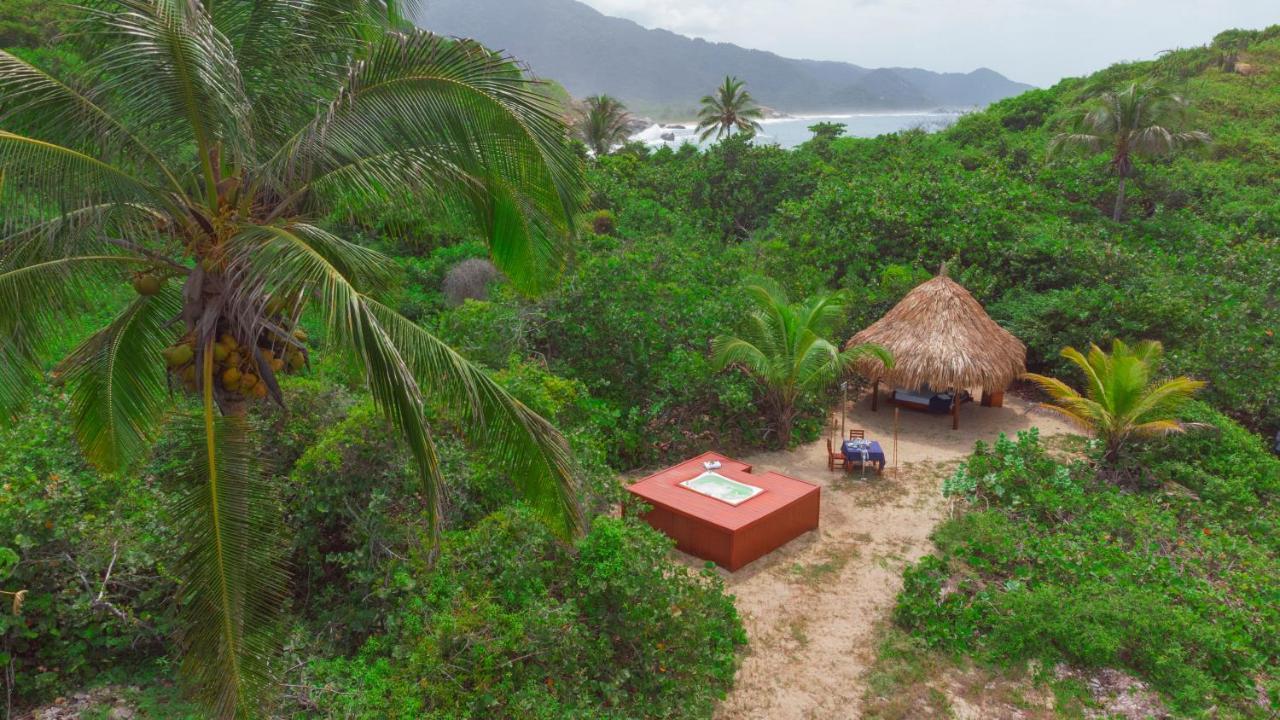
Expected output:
{"points": [[811, 608]]}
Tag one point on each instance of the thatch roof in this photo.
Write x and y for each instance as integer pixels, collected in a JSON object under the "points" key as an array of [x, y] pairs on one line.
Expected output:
{"points": [[940, 336]]}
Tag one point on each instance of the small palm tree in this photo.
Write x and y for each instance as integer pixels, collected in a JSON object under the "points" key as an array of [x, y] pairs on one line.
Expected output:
{"points": [[1122, 400], [731, 109], [196, 169], [784, 348], [603, 123], [1139, 121]]}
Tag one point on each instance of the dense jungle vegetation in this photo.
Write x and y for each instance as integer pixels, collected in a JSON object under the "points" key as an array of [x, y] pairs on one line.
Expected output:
{"points": [[1176, 580]]}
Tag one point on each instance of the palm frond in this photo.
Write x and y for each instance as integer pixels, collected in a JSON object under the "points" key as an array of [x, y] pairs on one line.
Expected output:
{"points": [[360, 266], [1084, 422], [1087, 141], [84, 232], [401, 360], [66, 116], [167, 60], [820, 313], [234, 582], [1067, 402], [421, 97], [852, 354], [763, 331], [117, 381], [1053, 387], [1166, 399], [1090, 366], [33, 299], [293, 53], [817, 362], [727, 351], [1158, 427], [43, 180], [281, 258], [518, 440]]}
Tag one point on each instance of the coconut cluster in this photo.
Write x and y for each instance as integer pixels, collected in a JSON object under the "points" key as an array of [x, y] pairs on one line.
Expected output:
{"points": [[235, 367]]}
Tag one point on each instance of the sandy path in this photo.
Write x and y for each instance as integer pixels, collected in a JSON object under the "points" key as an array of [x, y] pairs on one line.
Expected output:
{"points": [[812, 607]]}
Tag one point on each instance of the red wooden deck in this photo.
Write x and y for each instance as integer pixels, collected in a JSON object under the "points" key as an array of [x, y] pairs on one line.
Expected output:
{"points": [[714, 530]]}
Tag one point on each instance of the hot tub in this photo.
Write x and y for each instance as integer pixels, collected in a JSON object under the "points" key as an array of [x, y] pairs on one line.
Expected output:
{"points": [[725, 513], [714, 485]]}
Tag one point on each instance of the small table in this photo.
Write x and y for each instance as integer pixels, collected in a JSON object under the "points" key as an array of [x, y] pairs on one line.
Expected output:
{"points": [[875, 455]]}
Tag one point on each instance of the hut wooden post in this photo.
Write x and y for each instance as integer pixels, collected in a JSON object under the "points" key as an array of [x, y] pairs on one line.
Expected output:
{"points": [[955, 409], [844, 406], [895, 442], [875, 396]]}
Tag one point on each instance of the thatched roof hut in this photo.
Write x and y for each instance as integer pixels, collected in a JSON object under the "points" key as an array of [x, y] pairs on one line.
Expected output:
{"points": [[941, 336]]}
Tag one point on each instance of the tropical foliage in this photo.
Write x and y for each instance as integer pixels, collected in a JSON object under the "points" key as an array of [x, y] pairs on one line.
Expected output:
{"points": [[1138, 121], [29, 23], [603, 123], [784, 346], [617, 355], [606, 629], [731, 109], [215, 136], [1044, 562], [1123, 398]]}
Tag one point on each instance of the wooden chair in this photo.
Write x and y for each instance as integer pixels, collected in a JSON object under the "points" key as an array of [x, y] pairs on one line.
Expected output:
{"points": [[857, 434], [834, 458]]}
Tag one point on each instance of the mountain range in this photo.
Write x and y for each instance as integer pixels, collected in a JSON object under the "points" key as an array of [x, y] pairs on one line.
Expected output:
{"points": [[663, 73]]}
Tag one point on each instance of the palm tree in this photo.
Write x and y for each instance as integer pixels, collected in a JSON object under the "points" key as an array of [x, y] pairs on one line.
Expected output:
{"points": [[784, 348], [1139, 121], [195, 169], [1121, 401], [603, 123], [731, 109]]}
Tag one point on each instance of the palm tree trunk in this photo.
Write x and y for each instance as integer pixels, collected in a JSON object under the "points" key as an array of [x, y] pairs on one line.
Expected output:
{"points": [[1119, 211], [785, 418], [783, 412], [1111, 453]]}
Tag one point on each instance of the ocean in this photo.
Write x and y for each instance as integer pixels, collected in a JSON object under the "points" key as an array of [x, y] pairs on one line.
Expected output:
{"points": [[790, 132]]}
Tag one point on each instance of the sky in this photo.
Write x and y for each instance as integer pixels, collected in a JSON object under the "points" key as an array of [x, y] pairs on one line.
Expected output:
{"points": [[1032, 41]]}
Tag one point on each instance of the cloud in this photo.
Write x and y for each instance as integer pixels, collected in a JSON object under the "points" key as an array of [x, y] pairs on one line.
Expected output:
{"points": [[687, 18]]}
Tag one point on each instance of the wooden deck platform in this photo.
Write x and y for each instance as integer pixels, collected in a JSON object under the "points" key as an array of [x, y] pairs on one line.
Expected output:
{"points": [[731, 536]]}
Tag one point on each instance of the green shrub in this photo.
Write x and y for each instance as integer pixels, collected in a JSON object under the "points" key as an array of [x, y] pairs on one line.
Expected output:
{"points": [[1176, 588], [92, 553], [352, 498], [512, 623], [633, 322]]}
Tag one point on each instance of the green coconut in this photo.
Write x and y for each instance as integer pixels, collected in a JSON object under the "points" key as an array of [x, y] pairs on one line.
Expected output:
{"points": [[147, 284], [178, 355]]}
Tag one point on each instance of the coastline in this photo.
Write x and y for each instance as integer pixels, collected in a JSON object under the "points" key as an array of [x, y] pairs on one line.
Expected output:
{"points": [[792, 130]]}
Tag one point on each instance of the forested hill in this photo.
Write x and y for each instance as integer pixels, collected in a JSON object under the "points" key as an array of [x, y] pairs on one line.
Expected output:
{"points": [[1194, 262], [656, 70]]}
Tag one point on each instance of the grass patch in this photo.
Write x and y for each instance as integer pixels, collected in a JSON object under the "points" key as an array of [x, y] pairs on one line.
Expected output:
{"points": [[910, 680], [834, 559]]}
